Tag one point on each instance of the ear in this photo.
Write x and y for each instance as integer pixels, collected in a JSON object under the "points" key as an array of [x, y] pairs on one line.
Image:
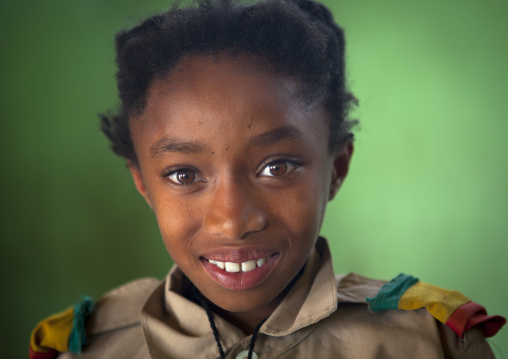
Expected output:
{"points": [[138, 181], [341, 161]]}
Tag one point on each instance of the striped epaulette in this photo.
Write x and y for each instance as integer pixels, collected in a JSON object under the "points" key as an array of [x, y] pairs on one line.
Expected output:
{"points": [[448, 306], [61, 332]]}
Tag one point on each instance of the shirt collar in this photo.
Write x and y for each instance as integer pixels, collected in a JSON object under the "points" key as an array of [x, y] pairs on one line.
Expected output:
{"points": [[312, 298]]}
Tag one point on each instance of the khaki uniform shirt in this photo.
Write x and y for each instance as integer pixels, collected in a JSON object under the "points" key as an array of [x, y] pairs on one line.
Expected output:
{"points": [[322, 316]]}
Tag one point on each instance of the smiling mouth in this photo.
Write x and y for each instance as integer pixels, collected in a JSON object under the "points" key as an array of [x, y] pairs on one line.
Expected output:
{"points": [[243, 271], [247, 266]]}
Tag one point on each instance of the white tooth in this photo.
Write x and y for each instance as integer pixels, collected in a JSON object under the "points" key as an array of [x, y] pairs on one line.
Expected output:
{"points": [[261, 261], [212, 261], [220, 265], [248, 266], [232, 267]]}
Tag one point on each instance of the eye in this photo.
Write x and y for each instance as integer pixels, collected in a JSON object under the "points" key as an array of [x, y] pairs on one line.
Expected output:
{"points": [[278, 168], [183, 176]]}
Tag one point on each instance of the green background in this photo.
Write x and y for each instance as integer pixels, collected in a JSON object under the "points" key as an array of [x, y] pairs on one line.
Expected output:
{"points": [[427, 192]]}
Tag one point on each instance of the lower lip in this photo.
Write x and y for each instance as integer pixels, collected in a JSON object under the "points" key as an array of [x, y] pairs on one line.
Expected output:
{"points": [[241, 280]]}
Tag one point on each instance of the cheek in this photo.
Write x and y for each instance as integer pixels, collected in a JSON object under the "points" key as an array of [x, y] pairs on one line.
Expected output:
{"points": [[177, 224], [305, 208]]}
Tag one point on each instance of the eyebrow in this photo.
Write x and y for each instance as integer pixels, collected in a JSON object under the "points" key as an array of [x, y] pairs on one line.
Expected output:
{"points": [[167, 144], [276, 135]]}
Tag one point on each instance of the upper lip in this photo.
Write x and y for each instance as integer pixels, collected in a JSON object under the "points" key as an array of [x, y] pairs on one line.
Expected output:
{"points": [[238, 255]]}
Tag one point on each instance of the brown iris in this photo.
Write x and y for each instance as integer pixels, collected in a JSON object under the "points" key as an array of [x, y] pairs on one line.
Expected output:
{"points": [[278, 168], [185, 177]]}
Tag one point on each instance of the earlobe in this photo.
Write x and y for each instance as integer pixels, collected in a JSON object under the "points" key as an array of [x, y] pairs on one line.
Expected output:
{"points": [[138, 181], [340, 169]]}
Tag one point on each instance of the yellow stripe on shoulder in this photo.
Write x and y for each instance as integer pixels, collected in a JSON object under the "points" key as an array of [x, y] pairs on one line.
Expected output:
{"points": [[53, 332], [441, 303]]}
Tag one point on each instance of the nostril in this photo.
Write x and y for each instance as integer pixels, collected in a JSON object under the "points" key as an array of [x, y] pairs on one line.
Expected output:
{"points": [[233, 211], [235, 225], [257, 222]]}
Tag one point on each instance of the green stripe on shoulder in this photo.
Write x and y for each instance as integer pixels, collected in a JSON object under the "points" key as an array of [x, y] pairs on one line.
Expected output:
{"points": [[77, 337], [389, 294]]}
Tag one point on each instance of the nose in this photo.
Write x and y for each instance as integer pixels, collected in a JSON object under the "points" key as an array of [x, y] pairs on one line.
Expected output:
{"points": [[234, 211]]}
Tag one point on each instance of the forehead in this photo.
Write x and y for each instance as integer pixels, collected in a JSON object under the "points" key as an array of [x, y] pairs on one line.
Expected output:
{"points": [[221, 68], [203, 96], [222, 79]]}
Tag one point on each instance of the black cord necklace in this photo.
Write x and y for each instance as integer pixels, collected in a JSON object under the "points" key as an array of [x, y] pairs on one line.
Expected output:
{"points": [[216, 332]]}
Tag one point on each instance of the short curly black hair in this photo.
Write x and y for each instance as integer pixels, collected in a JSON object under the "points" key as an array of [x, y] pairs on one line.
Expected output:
{"points": [[296, 38]]}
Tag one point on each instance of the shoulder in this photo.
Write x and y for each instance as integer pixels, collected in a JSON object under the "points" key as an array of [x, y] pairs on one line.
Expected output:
{"points": [[120, 307], [406, 314], [354, 288], [110, 326]]}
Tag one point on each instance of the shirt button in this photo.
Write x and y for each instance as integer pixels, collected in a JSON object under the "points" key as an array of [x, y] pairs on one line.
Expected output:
{"points": [[245, 354]]}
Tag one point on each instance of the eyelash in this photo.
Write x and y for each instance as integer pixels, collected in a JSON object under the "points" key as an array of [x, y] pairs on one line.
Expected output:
{"points": [[175, 171], [292, 164]]}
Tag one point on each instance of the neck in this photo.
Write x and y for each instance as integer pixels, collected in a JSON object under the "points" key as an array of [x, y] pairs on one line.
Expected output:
{"points": [[248, 321]]}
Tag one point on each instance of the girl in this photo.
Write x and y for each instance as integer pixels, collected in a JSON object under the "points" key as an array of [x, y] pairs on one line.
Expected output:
{"points": [[234, 125]]}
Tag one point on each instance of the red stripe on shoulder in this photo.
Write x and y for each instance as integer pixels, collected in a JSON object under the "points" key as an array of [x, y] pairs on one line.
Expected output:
{"points": [[51, 354], [472, 314]]}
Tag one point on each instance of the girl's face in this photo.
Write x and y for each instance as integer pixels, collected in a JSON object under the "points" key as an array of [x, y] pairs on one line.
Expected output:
{"points": [[238, 172]]}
